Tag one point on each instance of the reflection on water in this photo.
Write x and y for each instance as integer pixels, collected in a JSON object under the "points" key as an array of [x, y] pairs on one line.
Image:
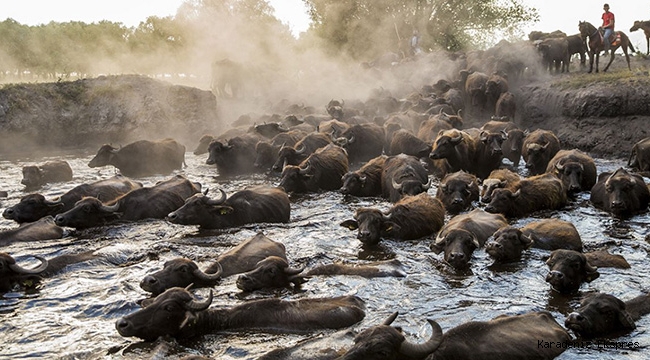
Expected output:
{"points": [[72, 314]]}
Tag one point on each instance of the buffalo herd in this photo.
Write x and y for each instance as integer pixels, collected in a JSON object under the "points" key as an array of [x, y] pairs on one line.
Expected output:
{"points": [[405, 171]]}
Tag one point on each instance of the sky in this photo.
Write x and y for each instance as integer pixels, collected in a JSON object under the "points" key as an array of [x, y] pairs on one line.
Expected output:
{"points": [[554, 14]]}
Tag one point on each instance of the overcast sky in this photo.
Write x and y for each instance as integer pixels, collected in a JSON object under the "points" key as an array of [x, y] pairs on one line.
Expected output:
{"points": [[554, 14]]}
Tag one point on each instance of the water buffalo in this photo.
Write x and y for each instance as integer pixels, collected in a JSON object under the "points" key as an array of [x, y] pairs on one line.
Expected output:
{"points": [[244, 257], [568, 269], [475, 91], [640, 155], [178, 314], [538, 149], [458, 147], [36, 176], [457, 191], [204, 144], [488, 153], [272, 272], [504, 337], [288, 155], [410, 218], [35, 206], [42, 229], [620, 193], [404, 142], [403, 175], [602, 315], [464, 233], [536, 193], [506, 106], [362, 142], [254, 205], [495, 86], [324, 169], [333, 128], [235, 156], [555, 53], [548, 234], [576, 169], [390, 268], [430, 128], [499, 179], [143, 203], [366, 181], [12, 274], [514, 138], [142, 158], [266, 152], [269, 130]]}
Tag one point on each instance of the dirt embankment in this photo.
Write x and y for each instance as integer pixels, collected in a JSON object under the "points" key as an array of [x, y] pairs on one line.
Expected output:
{"points": [[602, 114], [83, 114]]}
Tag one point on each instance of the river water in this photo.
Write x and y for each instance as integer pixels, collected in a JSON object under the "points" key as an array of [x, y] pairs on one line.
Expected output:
{"points": [[72, 314]]}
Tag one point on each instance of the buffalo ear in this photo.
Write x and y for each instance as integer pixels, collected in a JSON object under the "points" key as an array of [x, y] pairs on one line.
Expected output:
{"points": [[146, 302], [350, 224], [592, 275], [527, 241], [222, 210], [389, 227], [437, 248]]}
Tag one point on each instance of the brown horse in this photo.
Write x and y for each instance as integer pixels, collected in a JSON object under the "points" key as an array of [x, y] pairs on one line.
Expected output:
{"points": [[596, 44], [645, 25]]}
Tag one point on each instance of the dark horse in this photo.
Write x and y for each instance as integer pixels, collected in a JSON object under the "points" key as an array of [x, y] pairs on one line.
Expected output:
{"points": [[645, 25], [596, 44]]}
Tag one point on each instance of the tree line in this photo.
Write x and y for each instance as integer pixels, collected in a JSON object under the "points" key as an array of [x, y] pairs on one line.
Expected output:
{"points": [[206, 30]]}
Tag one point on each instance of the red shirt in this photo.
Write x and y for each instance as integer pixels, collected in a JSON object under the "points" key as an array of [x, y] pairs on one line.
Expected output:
{"points": [[607, 18]]}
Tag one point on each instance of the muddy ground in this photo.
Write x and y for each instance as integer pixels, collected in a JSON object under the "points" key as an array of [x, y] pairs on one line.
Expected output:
{"points": [[603, 114]]}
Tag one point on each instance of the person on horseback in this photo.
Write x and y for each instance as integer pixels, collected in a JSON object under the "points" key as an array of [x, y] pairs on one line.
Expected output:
{"points": [[608, 26]]}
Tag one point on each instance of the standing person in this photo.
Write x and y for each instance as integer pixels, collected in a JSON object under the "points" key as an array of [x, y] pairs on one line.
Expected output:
{"points": [[415, 43], [608, 25]]}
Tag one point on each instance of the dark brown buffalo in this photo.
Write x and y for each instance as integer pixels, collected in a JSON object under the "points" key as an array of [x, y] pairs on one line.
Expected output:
{"points": [[506, 106], [143, 203], [403, 175], [458, 147], [362, 142], [495, 86], [235, 156], [366, 181], [602, 258], [506, 337], [272, 272], [457, 191], [499, 179], [411, 218], [177, 313], [324, 169], [288, 155], [576, 169], [36, 176], [12, 274], [35, 206], [42, 229], [333, 128], [465, 233], [204, 144], [429, 129], [488, 154], [640, 155], [620, 193], [390, 268], [182, 272], [536, 193], [538, 149], [266, 152], [269, 130], [404, 142], [602, 315], [255, 205], [475, 86], [568, 269], [548, 234], [142, 158], [513, 143]]}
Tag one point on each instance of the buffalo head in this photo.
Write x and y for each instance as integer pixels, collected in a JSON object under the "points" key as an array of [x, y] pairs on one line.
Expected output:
{"points": [[11, 273], [458, 245], [88, 212], [568, 269], [104, 156], [272, 272], [508, 244], [32, 207], [179, 273], [371, 225], [599, 315]]}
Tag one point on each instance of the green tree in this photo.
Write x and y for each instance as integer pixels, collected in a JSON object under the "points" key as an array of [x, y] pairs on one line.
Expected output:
{"points": [[365, 28]]}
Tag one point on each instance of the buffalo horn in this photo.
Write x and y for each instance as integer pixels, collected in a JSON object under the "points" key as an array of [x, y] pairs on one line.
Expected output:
{"points": [[218, 201], [111, 208], [194, 305], [293, 271], [559, 167], [389, 320], [457, 139], [342, 141], [21, 270], [419, 351], [305, 170], [386, 217], [589, 268], [209, 277], [396, 186], [54, 201], [300, 149], [427, 185], [504, 134], [516, 193], [351, 140]]}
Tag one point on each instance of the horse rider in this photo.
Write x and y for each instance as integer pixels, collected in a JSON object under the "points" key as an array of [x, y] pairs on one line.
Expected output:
{"points": [[608, 25]]}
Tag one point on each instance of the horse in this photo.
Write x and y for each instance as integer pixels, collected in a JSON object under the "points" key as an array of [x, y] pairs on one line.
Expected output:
{"points": [[645, 26], [596, 44]]}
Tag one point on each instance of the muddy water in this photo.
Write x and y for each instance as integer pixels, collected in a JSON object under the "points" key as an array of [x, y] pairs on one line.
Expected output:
{"points": [[72, 314]]}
